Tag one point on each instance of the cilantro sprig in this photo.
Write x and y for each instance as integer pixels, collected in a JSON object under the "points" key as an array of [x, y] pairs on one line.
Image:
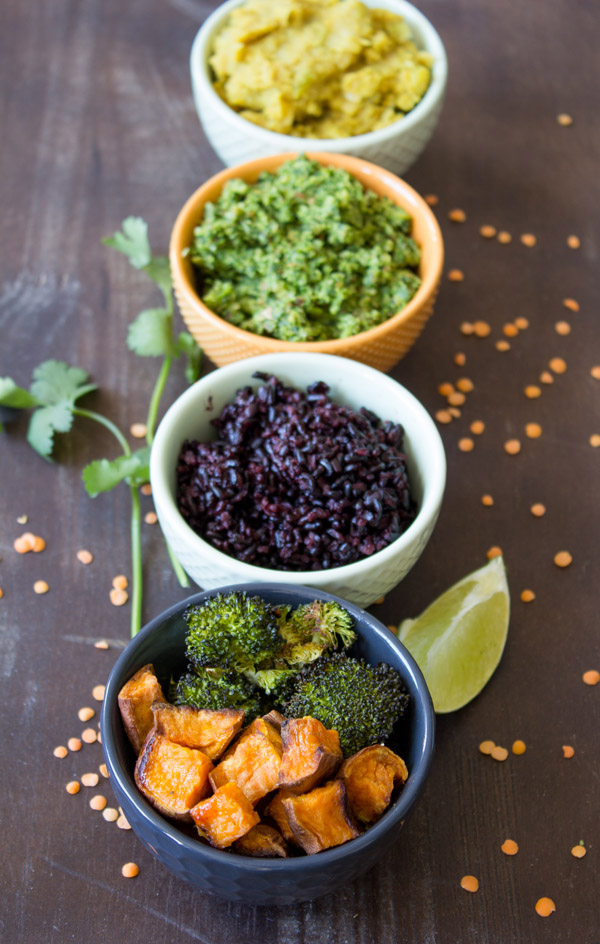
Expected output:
{"points": [[56, 389]]}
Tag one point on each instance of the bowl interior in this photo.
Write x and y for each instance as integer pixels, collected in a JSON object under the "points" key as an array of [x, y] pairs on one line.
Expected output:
{"points": [[161, 642]]}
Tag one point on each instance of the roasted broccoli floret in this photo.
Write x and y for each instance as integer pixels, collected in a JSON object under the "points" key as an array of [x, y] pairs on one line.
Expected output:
{"points": [[360, 701], [232, 631], [212, 688], [311, 629]]}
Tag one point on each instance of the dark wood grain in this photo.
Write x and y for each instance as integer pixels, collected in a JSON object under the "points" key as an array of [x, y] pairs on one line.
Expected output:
{"points": [[97, 123]]}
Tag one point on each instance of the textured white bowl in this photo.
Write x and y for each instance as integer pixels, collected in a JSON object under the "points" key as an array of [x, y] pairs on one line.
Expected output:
{"points": [[396, 147], [351, 383]]}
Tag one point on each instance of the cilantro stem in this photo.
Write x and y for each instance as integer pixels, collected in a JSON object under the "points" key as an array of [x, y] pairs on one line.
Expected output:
{"points": [[155, 399], [136, 562], [108, 424]]}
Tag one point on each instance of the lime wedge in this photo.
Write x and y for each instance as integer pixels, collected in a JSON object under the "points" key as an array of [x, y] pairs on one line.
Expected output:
{"points": [[458, 640]]}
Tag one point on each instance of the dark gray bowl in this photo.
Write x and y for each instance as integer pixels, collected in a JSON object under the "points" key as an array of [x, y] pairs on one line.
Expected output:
{"points": [[226, 874]]}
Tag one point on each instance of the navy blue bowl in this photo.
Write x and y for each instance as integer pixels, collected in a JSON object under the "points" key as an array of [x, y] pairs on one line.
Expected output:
{"points": [[226, 874]]}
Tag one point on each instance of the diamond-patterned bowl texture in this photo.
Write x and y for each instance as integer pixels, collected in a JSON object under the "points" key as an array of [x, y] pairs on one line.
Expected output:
{"points": [[226, 874]]}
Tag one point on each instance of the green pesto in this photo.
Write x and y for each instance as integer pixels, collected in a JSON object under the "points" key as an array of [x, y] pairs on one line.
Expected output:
{"points": [[305, 254]]}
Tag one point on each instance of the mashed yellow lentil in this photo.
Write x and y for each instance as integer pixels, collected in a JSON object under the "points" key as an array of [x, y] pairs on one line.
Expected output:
{"points": [[318, 68]]}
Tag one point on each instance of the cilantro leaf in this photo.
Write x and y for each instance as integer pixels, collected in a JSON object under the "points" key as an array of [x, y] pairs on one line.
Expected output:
{"points": [[103, 474], [44, 423], [56, 387], [15, 397], [150, 334], [132, 241], [188, 346]]}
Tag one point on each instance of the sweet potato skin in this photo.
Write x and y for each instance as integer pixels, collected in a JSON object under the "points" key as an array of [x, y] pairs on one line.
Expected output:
{"points": [[135, 704], [225, 816], [203, 729], [172, 777], [274, 718], [263, 841], [311, 754], [320, 819], [252, 762], [276, 810], [370, 777]]}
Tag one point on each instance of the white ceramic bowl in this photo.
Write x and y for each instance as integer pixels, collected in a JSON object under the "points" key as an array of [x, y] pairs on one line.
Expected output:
{"points": [[350, 383], [396, 147]]}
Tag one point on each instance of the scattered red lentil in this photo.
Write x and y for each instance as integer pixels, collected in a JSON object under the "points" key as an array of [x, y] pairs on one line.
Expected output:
{"points": [[454, 411], [466, 328], [469, 883], [99, 737], [578, 851], [562, 559], [1, 593], [146, 489], [562, 327], [151, 517], [595, 440], [466, 444], [86, 714], [486, 747], [545, 907], [120, 582], [568, 751], [457, 216], [528, 239], [103, 770], [509, 847], [481, 329], [98, 802], [456, 275], [90, 780], [118, 597], [519, 747], [460, 359], [123, 823], [510, 330], [40, 586], [595, 372], [60, 751], [432, 199], [74, 744], [38, 545], [477, 427], [546, 377], [499, 753], [494, 551], [130, 870], [98, 692], [89, 735], [487, 500], [101, 644], [527, 596], [533, 430], [110, 814], [393, 629], [521, 323], [502, 346], [487, 231], [443, 416], [538, 510], [72, 787], [573, 242], [465, 385], [138, 430], [591, 677], [512, 447], [445, 389], [21, 545], [504, 237], [564, 119], [532, 391], [456, 399], [379, 600], [85, 557], [571, 304]]}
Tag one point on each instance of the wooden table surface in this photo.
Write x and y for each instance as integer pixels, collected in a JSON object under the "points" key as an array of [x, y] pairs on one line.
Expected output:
{"points": [[98, 123]]}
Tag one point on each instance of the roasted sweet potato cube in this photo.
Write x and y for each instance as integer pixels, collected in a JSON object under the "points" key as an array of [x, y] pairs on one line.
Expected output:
{"points": [[320, 819], [226, 816], [135, 703], [277, 812], [370, 778], [262, 841], [311, 754], [274, 718], [207, 730], [253, 761], [172, 777]]}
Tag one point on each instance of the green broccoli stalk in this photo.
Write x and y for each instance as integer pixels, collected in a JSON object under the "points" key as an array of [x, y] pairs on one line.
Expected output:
{"points": [[215, 689], [361, 702]]}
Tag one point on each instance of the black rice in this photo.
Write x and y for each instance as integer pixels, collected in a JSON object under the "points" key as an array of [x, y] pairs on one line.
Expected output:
{"points": [[294, 481]]}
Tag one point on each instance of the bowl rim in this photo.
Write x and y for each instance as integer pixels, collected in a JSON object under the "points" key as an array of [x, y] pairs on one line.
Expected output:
{"points": [[431, 43], [412, 201], [410, 791], [434, 476]]}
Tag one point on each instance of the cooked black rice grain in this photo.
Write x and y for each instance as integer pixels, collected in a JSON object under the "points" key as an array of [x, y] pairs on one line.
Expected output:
{"points": [[294, 481]]}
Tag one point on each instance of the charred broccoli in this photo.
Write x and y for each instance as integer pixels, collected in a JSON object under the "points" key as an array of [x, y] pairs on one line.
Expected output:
{"points": [[232, 631], [360, 701], [311, 629], [212, 688]]}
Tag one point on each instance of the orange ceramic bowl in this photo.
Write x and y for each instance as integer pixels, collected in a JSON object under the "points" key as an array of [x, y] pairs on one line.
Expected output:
{"points": [[380, 347]]}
